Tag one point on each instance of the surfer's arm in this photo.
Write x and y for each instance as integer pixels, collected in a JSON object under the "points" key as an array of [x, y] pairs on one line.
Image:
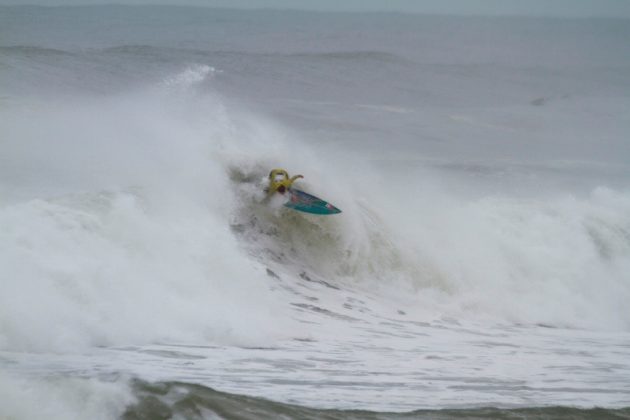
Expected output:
{"points": [[294, 178]]}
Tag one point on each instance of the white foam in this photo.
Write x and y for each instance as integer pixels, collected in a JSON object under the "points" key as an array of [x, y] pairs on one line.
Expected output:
{"points": [[191, 76], [61, 398], [131, 242], [560, 261]]}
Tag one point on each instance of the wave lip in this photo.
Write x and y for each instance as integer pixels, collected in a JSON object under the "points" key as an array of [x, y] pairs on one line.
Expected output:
{"points": [[30, 51]]}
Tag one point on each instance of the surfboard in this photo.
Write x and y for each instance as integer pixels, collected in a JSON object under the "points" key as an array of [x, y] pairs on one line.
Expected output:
{"points": [[301, 201]]}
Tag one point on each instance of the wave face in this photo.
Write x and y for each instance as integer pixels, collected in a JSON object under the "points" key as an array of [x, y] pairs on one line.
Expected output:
{"points": [[486, 214], [198, 402]]}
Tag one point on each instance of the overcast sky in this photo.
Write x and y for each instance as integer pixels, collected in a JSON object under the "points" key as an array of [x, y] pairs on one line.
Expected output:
{"points": [[567, 8]]}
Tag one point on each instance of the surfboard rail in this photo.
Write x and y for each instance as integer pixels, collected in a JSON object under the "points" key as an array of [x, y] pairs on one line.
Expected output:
{"points": [[308, 203]]}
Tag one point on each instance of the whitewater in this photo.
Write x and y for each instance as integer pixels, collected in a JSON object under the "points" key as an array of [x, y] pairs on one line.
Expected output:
{"points": [[480, 267]]}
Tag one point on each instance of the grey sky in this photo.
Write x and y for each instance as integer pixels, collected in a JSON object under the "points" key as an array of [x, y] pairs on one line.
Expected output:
{"points": [[566, 8]]}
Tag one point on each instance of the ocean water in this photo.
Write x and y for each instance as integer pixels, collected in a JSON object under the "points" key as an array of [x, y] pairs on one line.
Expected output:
{"points": [[480, 268]]}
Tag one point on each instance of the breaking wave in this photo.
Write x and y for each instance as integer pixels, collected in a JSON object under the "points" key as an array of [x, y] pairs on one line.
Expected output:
{"points": [[113, 207]]}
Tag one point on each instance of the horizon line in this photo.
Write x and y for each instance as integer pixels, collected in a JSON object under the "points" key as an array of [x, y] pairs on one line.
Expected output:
{"points": [[319, 11]]}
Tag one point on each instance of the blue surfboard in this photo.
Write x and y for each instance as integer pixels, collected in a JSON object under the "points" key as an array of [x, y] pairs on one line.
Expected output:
{"points": [[301, 201]]}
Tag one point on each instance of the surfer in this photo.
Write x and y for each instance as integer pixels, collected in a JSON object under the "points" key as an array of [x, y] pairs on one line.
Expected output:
{"points": [[279, 181]]}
